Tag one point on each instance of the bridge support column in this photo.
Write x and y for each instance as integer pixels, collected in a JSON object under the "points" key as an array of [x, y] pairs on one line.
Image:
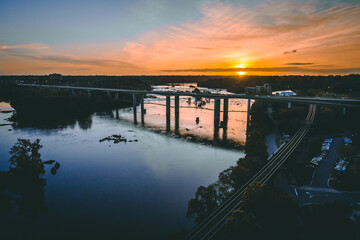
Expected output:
{"points": [[134, 109], [248, 117], [116, 96], [289, 104], [344, 111], [216, 118], [269, 108], [177, 114], [89, 93], [168, 113], [117, 113], [225, 118], [108, 93], [142, 110], [73, 92]]}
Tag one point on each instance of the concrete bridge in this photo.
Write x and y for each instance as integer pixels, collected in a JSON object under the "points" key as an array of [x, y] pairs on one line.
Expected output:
{"points": [[335, 102]]}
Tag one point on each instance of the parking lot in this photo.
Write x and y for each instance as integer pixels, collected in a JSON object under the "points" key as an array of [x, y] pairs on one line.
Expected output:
{"points": [[325, 166]]}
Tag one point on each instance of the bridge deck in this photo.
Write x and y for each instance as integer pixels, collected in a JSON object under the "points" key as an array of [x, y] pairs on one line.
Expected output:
{"points": [[306, 100]]}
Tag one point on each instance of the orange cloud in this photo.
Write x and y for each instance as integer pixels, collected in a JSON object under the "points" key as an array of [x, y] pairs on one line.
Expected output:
{"points": [[227, 35], [29, 46], [266, 37]]}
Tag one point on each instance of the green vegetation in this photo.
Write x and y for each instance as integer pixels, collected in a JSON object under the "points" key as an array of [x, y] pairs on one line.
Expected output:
{"points": [[331, 120], [289, 120], [267, 214], [350, 178], [51, 108], [208, 198], [24, 180], [302, 85]]}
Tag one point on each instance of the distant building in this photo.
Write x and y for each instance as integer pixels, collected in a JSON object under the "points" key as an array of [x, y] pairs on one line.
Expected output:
{"points": [[265, 89], [55, 76], [284, 93]]}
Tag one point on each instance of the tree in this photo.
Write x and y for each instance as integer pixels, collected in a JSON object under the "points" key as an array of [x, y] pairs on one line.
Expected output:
{"points": [[241, 225], [205, 201], [25, 157], [275, 212], [24, 181]]}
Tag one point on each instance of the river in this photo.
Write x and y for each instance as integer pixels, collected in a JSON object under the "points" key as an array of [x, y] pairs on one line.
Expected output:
{"points": [[137, 189]]}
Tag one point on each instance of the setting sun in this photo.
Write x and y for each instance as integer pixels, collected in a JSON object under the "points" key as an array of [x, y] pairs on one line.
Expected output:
{"points": [[241, 73], [241, 65]]}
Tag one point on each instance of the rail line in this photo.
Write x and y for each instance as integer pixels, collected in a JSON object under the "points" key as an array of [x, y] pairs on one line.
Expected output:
{"points": [[213, 223]]}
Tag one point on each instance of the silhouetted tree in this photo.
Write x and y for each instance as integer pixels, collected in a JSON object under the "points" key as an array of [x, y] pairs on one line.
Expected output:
{"points": [[241, 225], [24, 180]]}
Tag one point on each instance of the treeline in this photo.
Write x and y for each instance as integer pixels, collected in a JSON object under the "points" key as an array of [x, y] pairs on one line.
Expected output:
{"points": [[302, 85], [331, 120], [51, 108], [350, 179], [208, 198], [83, 81], [130, 80]]}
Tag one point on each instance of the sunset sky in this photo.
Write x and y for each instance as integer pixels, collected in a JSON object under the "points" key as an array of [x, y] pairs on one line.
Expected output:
{"points": [[179, 37]]}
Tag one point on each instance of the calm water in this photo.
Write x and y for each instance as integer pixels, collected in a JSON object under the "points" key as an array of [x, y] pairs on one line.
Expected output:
{"points": [[133, 190], [155, 114]]}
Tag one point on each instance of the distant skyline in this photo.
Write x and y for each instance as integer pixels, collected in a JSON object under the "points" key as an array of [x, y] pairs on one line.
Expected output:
{"points": [[164, 37]]}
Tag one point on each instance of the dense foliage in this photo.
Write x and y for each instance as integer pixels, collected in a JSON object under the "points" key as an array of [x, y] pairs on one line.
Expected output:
{"points": [[208, 198], [267, 214], [51, 108], [302, 85]]}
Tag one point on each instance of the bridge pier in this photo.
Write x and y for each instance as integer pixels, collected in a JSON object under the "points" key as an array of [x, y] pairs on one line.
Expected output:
{"points": [[108, 93], [116, 96], [73, 92], [142, 110], [117, 113], [344, 111], [177, 114], [269, 108], [225, 118], [89, 93], [289, 104], [216, 118], [168, 113], [134, 109], [248, 117]]}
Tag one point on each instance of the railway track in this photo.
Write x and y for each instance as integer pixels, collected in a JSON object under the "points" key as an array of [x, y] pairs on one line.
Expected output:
{"points": [[208, 228]]}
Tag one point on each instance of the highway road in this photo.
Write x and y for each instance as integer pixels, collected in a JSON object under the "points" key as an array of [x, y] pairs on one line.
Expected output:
{"points": [[214, 222]]}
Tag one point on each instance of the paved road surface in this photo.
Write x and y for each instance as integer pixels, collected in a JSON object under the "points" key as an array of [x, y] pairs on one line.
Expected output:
{"points": [[310, 195], [322, 172]]}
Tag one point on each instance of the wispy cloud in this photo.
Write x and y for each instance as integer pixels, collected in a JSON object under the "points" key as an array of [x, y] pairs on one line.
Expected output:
{"points": [[31, 54], [298, 63], [29, 46], [264, 31], [268, 37], [280, 70], [289, 52]]}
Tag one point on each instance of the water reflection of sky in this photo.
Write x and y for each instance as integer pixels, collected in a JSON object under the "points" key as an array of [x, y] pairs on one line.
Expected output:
{"points": [[156, 114], [133, 190]]}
